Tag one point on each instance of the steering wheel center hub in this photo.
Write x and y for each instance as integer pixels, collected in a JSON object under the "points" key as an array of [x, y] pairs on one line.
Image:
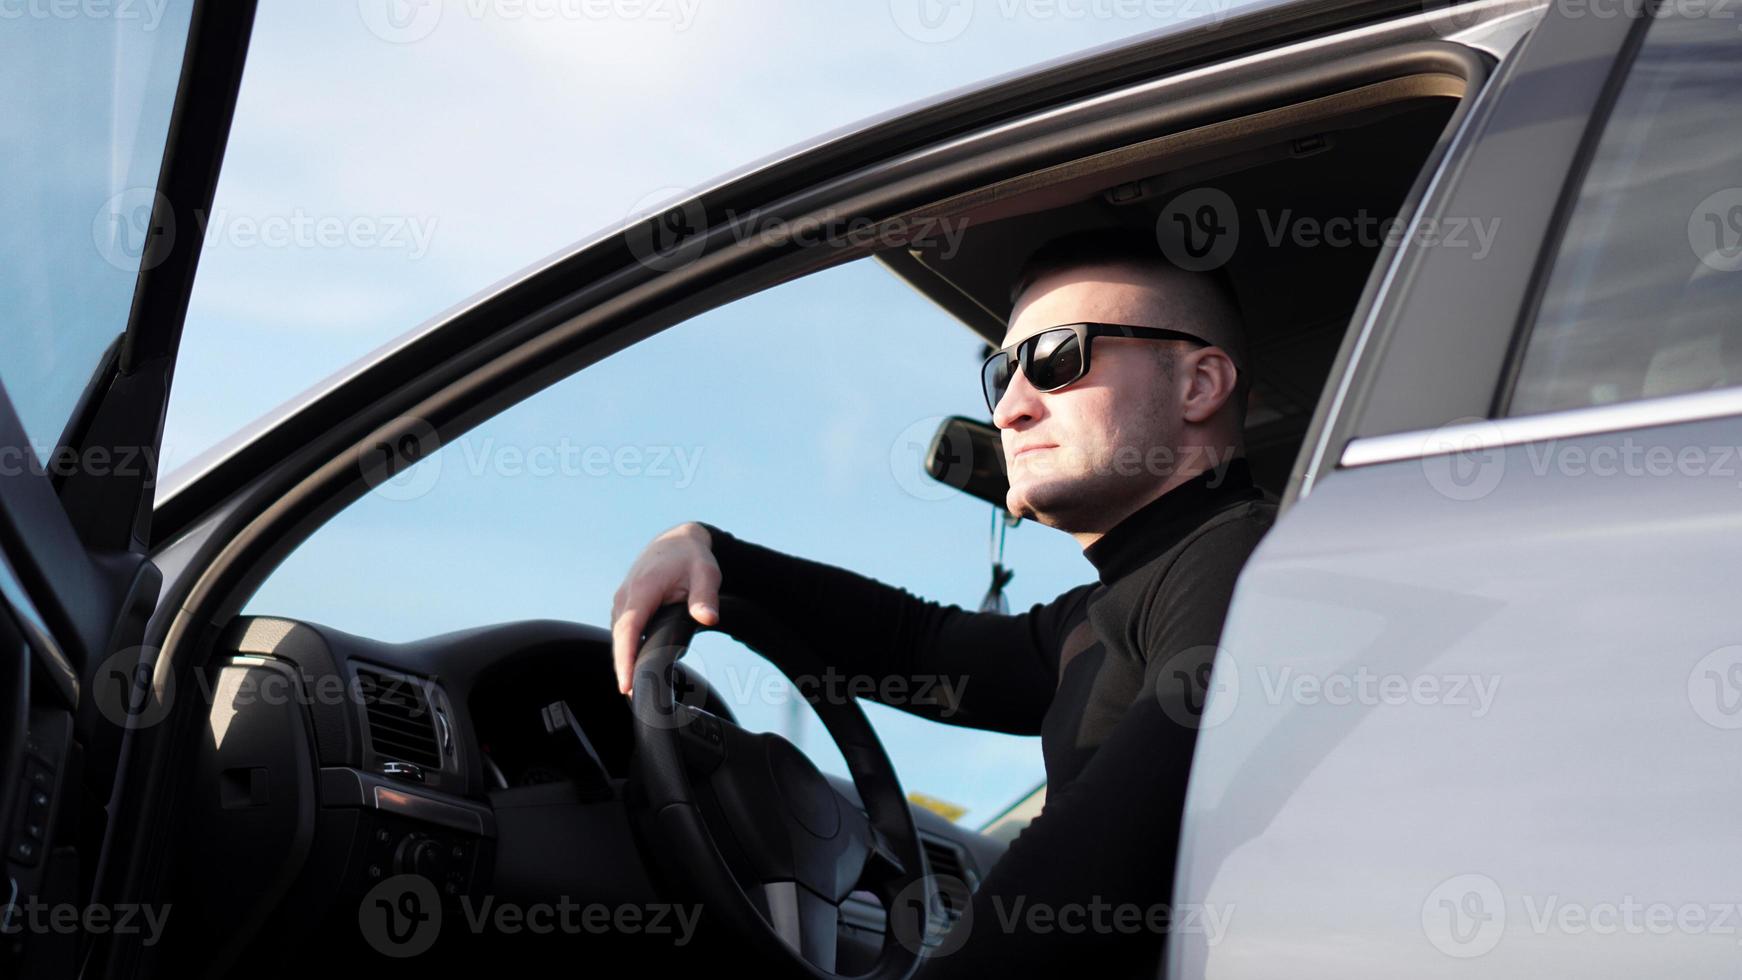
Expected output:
{"points": [[807, 794]]}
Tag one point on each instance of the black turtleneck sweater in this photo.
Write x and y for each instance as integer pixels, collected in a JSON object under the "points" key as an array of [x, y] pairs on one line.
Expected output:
{"points": [[1110, 675]]}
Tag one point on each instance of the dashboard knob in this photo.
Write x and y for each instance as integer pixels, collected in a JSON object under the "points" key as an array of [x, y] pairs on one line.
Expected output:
{"points": [[423, 856]]}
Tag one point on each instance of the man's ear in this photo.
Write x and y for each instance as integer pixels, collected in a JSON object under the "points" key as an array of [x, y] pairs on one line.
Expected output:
{"points": [[1210, 380]]}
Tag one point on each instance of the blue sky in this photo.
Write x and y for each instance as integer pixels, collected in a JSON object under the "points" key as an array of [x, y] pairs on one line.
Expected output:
{"points": [[388, 161]]}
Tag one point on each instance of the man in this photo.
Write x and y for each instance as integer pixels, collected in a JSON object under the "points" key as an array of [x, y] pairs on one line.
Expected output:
{"points": [[1120, 400]]}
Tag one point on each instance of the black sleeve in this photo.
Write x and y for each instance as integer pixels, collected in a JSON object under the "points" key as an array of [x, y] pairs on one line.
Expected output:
{"points": [[980, 670], [1090, 880]]}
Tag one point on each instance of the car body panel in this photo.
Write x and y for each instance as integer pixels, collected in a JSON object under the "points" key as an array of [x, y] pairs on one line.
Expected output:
{"points": [[1537, 731], [1475, 711]]}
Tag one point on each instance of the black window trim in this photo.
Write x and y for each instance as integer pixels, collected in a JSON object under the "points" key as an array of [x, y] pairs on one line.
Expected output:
{"points": [[1566, 206], [1360, 436]]}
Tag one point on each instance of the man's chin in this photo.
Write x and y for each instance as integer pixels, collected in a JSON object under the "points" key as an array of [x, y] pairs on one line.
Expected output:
{"points": [[1049, 502]]}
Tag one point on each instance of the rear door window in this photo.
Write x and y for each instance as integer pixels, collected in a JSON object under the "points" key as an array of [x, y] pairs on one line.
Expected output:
{"points": [[1645, 296]]}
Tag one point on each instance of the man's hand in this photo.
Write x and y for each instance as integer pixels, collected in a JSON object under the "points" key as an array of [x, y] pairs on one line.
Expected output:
{"points": [[677, 565]]}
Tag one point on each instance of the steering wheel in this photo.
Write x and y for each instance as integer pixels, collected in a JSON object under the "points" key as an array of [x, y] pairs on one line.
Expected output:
{"points": [[750, 825]]}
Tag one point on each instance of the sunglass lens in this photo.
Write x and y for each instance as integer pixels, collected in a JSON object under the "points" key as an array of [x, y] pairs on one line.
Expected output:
{"points": [[995, 378], [1056, 360]]}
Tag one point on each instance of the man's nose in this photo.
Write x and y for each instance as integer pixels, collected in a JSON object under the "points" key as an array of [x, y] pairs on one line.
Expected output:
{"points": [[1020, 402]]}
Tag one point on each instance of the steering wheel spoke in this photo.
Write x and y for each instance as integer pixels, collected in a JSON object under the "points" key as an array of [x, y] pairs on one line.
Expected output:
{"points": [[706, 788], [805, 921], [882, 864], [704, 735]]}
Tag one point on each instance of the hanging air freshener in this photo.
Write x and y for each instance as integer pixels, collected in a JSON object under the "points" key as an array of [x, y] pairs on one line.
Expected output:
{"points": [[995, 600]]}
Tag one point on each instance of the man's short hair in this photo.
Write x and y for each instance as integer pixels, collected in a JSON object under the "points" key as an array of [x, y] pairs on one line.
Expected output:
{"points": [[1214, 294]]}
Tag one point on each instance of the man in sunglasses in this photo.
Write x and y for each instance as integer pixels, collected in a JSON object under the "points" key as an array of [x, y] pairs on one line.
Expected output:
{"points": [[1120, 394]]}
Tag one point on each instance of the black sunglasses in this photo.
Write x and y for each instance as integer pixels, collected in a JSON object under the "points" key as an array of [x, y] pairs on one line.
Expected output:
{"points": [[1057, 356]]}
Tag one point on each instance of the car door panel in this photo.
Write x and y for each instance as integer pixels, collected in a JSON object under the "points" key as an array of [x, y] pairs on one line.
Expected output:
{"points": [[76, 586], [1476, 707], [1479, 696]]}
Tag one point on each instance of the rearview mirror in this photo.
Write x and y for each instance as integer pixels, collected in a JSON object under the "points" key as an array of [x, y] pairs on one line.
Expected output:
{"points": [[969, 456]]}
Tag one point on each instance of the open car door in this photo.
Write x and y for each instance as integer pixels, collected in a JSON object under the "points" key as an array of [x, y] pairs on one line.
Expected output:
{"points": [[119, 120]]}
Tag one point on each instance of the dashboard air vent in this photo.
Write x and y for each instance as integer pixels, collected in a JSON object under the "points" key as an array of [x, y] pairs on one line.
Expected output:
{"points": [[952, 877], [401, 724]]}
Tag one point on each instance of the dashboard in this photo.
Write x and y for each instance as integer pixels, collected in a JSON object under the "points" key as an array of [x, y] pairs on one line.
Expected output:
{"points": [[492, 763]]}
